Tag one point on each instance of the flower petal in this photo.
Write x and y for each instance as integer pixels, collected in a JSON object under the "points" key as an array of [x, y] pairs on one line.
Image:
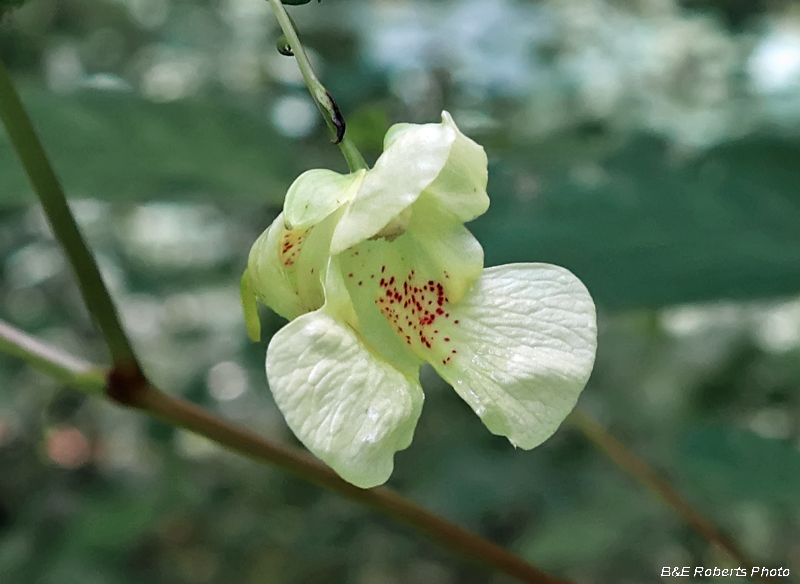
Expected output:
{"points": [[403, 289], [317, 193], [460, 188], [286, 266], [519, 348], [412, 162], [348, 406], [268, 277], [453, 253]]}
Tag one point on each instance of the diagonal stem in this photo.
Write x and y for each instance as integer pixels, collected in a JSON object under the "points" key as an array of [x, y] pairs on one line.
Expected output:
{"points": [[381, 499], [135, 391], [641, 471], [138, 393], [29, 149]]}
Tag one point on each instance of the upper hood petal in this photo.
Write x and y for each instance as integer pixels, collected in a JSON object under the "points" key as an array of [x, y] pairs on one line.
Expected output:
{"points": [[412, 161]]}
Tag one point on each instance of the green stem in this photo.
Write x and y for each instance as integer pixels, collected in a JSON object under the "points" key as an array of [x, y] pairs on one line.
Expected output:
{"points": [[321, 96], [51, 195], [62, 366]]}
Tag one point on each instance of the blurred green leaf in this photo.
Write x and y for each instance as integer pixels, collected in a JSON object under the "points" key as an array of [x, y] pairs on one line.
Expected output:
{"points": [[732, 464], [591, 531], [366, 127], [116, 146], [6, 6], [113, 521], [643, 228], [575, 538]]}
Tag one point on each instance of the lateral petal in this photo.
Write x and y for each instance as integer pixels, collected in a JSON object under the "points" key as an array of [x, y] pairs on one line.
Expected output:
{"points": [[266, 265], [348, 406], [519, 349]]}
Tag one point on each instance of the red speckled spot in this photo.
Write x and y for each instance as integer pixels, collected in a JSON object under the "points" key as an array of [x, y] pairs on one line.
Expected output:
{"points": [[291, 245], [413, 308]]}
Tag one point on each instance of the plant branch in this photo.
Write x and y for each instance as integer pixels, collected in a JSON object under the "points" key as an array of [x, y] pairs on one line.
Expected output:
{"points": [[129, 388], [29, 149], [62, 366], [641, 472], [301, 465], [325, 102]]}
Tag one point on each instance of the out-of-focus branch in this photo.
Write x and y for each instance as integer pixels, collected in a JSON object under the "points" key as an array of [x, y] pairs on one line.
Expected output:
{"points": [[299, 464], [62, 366], [641, 471], [29, 149], [129, 388]]}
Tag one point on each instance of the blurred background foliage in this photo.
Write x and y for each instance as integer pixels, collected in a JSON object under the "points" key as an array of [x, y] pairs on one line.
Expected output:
{"points": [[651, 146]]}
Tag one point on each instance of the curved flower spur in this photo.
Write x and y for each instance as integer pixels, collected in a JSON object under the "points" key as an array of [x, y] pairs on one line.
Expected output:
{"points": [[377, 274]]}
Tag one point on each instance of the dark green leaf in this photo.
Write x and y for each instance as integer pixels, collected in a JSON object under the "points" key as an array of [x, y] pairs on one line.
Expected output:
{"points": [[731, 464], [643, 228], [115, 146]]}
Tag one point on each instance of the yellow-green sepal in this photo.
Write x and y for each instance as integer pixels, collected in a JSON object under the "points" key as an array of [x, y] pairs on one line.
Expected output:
{"points": [[250, 308]]}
